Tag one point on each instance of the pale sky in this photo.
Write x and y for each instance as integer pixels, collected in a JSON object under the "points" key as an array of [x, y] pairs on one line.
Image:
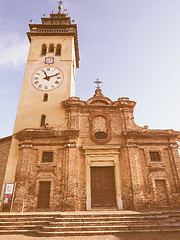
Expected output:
{"points": [[133, 46]]}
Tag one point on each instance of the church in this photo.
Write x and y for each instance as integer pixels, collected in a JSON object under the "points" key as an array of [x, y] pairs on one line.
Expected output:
{"points": [[66, 154]]}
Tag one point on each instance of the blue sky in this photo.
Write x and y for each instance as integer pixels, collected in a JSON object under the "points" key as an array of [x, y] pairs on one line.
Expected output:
{"points": [[133, 46]]}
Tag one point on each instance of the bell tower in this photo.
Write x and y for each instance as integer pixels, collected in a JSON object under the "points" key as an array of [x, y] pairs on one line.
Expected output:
{"points": [[49, 78], [50, 72]]}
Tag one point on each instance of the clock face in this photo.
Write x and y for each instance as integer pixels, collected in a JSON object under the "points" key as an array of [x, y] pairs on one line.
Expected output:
{"points": [[47, 78]]}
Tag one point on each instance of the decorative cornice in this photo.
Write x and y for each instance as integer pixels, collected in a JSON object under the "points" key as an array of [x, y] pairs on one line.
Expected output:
{"points": [[150, 133], [99, 101], [72, 102], [132, 145], [110, 148], [29, 134], [71, 145], [25, 145], [70, 134], [125, 103], [174, 145], [5, 138]]}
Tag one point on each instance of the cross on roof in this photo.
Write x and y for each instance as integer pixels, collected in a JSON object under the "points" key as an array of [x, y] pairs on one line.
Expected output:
{"points": [[60, 6], [98, 83]]}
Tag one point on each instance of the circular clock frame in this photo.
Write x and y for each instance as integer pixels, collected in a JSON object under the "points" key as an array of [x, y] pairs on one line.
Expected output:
{"points": [[47, 78]]}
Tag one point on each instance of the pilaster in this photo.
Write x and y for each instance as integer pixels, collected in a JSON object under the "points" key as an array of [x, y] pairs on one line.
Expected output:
{"points": [[71, 201], [21, 178], [175, 162], [136, 173]]}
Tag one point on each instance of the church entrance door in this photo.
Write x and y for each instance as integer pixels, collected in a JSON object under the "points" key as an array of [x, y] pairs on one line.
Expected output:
{"points": [[103, 187]]}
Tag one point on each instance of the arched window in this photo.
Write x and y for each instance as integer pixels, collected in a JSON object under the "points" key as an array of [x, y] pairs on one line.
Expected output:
{"points": [[58, 50], [44, 49], [51, 48], [43, 120], [45, 99]]}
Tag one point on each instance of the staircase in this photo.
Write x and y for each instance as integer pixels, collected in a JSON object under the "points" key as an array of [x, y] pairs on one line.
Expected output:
{"points": [[89, 223]]}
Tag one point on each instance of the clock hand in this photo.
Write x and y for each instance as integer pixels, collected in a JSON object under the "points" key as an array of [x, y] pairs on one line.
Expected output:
{"points": [[44, 72], [54, 75], [46, 77]]}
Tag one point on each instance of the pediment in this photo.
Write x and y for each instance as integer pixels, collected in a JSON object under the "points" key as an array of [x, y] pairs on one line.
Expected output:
{"points": [[99, 99]]}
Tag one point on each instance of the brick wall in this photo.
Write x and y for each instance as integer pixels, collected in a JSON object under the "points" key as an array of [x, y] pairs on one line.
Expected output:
{"points": [[4, 151], [143, 183]]}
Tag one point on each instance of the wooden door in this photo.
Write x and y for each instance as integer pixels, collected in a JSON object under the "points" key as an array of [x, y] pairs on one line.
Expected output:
{"points": [[103, 187], [162, 193], [44, 194]]}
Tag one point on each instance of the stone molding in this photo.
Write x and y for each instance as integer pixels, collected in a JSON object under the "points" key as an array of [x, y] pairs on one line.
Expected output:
{"points": [[29, 134], [99, 101], [150, 133]]}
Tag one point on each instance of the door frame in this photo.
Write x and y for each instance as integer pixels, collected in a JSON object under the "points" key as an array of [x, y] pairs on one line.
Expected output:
{"points": [[103, 156]]}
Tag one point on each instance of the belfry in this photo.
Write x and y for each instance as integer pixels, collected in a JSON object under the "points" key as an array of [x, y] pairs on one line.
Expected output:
{"points": [[66, 154]]}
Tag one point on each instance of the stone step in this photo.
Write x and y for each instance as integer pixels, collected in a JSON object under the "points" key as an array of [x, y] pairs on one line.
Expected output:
{"points": [[78, 218], [110, 218], [119, 213], [24, 223], [100, 232], [17, 231], [100, 215], [22, 215], [109, 223], [17, 219], [106, 228], [49, 224], [89, 214], [22, 227]]}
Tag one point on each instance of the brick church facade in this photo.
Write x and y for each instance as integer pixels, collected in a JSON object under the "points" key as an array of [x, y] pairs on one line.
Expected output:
{"points": [[96, 157]]}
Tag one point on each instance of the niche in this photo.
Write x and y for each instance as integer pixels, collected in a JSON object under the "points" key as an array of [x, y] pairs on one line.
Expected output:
{"points": [[99, 128]]}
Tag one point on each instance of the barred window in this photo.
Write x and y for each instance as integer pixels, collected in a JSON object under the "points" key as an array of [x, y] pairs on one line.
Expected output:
{"points": [[47, 157], [155, 157]]}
